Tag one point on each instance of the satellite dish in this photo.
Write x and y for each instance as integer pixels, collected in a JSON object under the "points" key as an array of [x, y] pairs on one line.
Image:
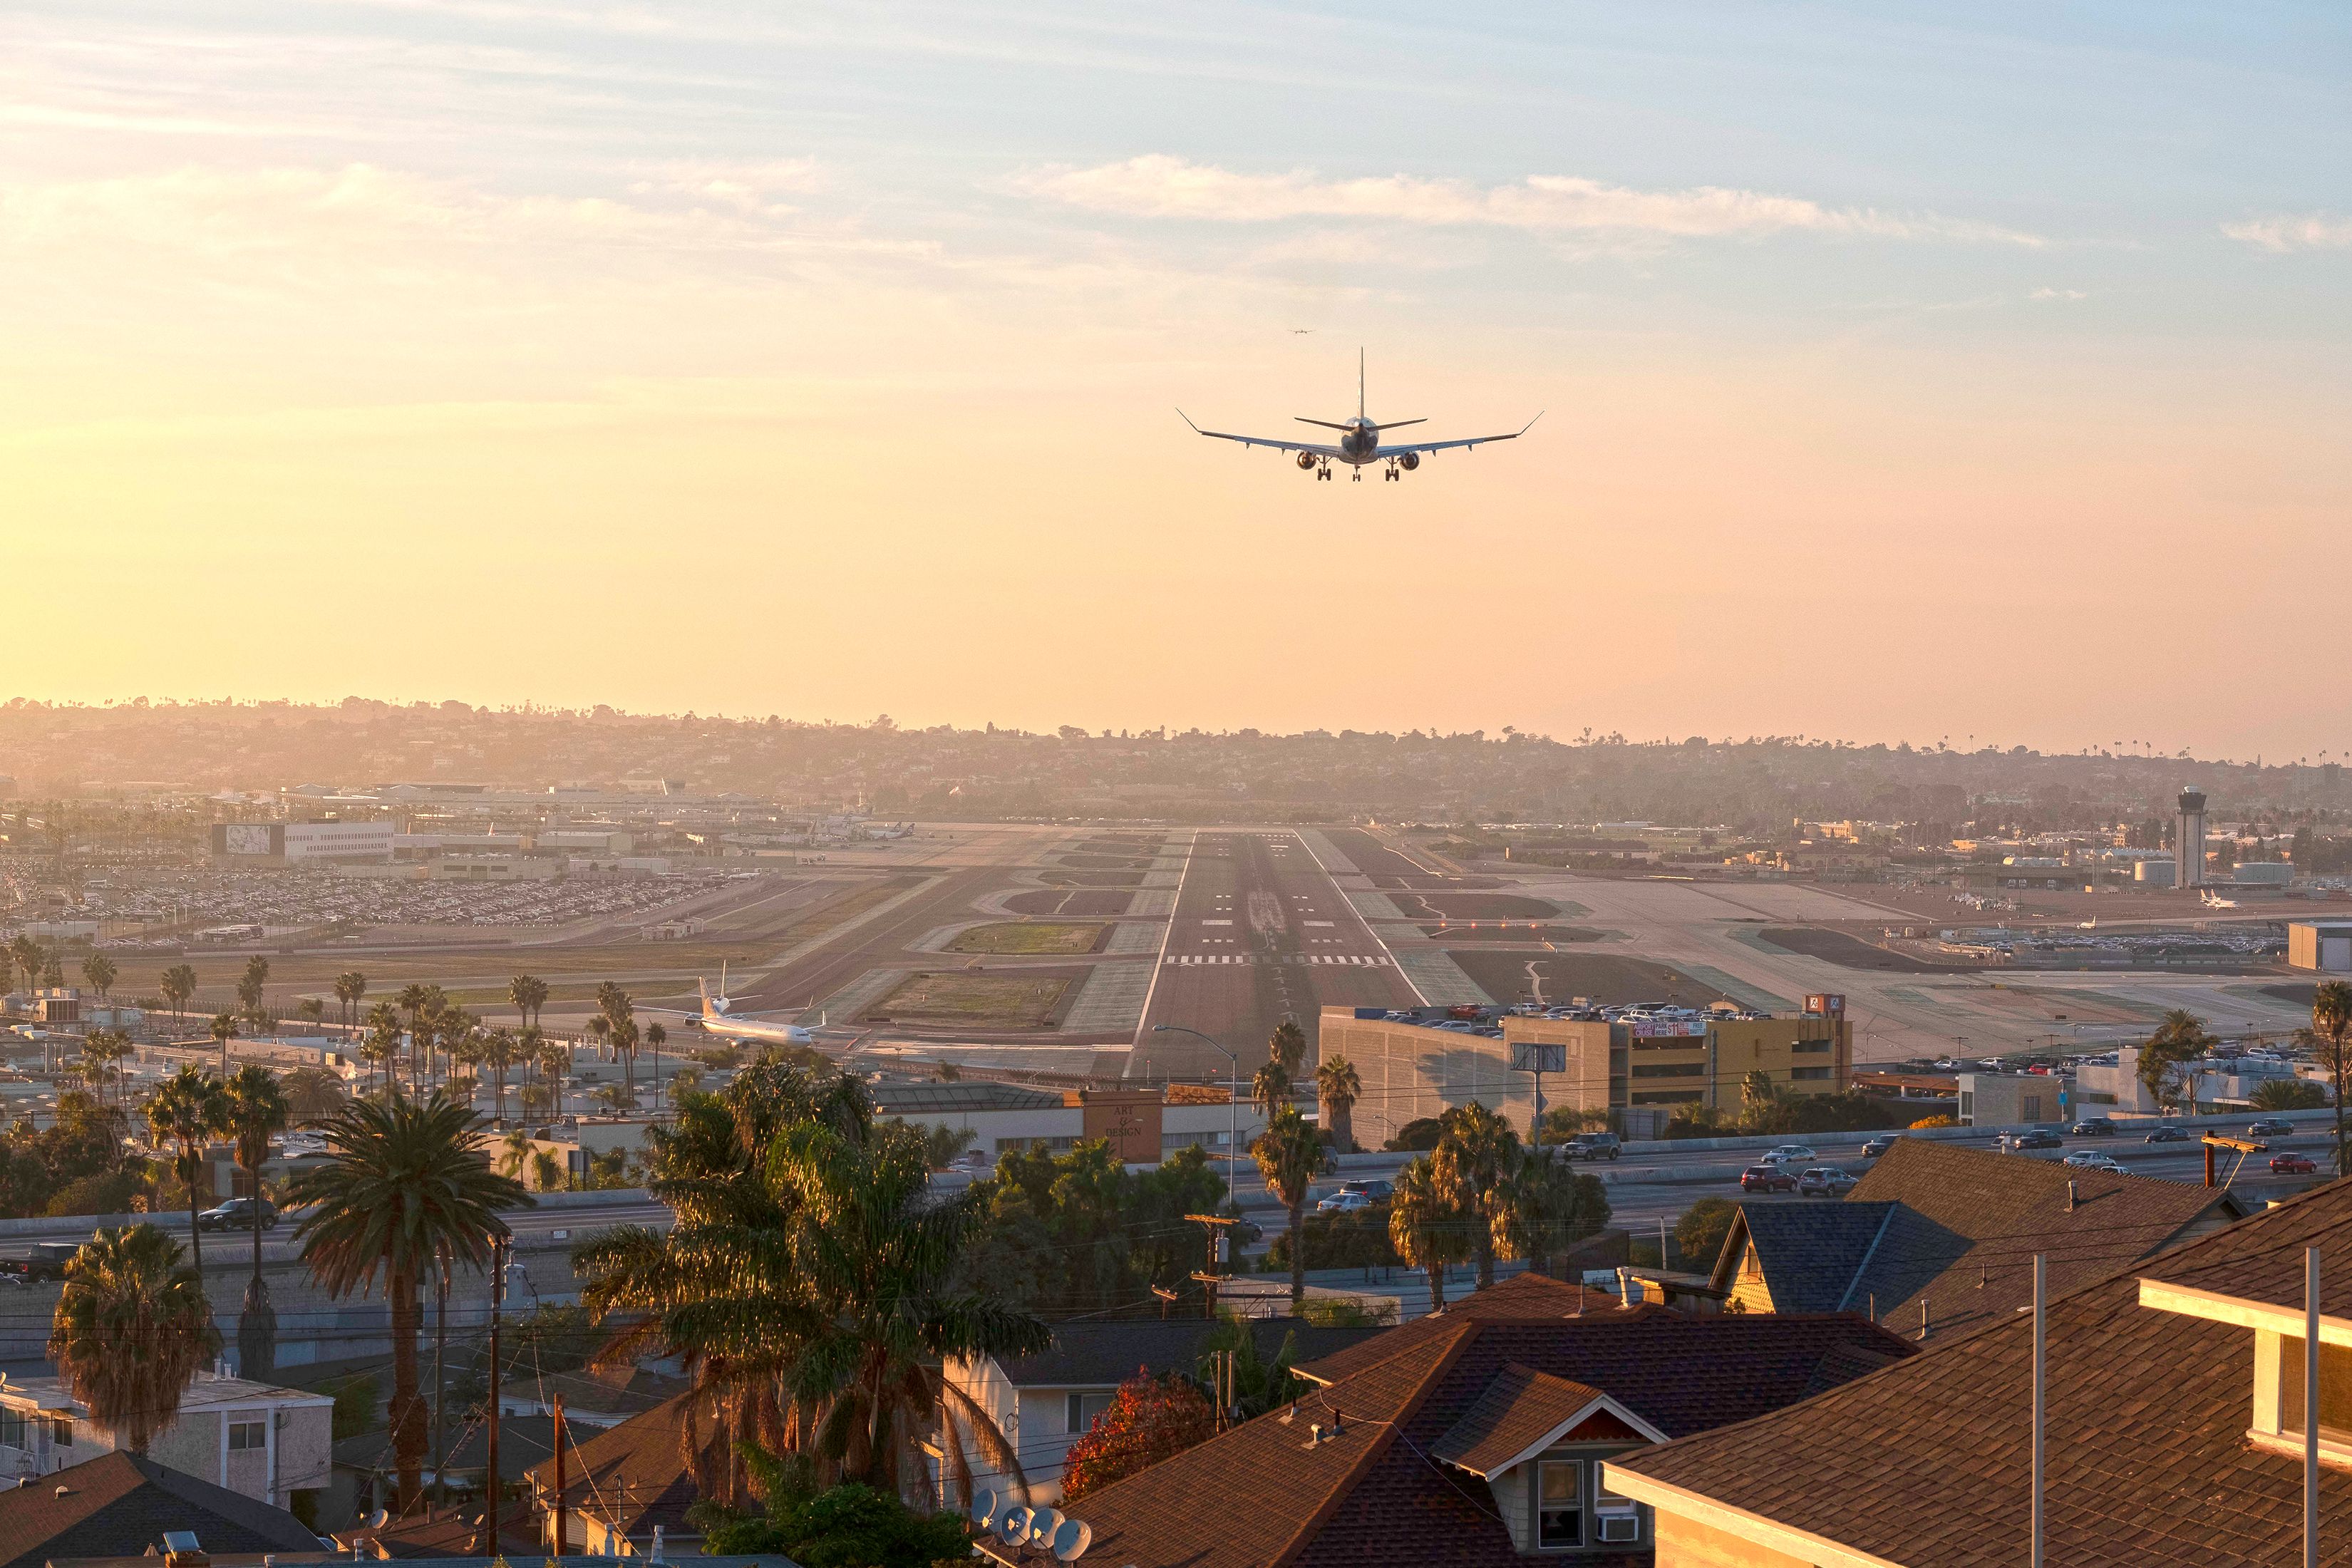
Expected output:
{"points": [[983, 1510], [1012, 1528], [379, 1519], [1042, 1525], [1071, 1541]]}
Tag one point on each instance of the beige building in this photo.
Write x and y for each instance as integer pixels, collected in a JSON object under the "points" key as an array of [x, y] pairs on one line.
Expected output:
{"points": [[265, 1442], [1415, 1071]]}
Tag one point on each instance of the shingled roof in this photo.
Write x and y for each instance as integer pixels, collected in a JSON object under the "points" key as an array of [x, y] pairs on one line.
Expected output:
{"points": [[1523, 1298], [119, 1505], [1956, 1230], [1108, 1353], [1488, 1367], [1927, 1463]]}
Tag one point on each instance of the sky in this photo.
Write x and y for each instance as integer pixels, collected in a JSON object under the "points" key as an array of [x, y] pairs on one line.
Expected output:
{"points": [[1906, 371]]}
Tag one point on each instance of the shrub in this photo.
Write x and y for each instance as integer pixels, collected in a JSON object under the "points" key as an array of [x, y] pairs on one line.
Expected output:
{"points": [[2289, 1094], [1934, 1121], [1699, 1234], [849, 1526], [1418, 1137], [105, 1192], [1357, 1239], [1151, 1419]]}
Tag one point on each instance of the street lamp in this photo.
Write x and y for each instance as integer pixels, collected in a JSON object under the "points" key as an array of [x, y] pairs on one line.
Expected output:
{"points": [[1234, 1097]]}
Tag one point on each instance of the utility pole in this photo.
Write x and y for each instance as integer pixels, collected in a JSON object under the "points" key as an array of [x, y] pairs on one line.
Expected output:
{"points": [[1212, 1276], [440, 1381], [491, 1481], [557, 1550]]}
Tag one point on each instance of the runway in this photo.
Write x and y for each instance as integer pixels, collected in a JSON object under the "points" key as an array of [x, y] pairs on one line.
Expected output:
{"points": [[1261, 933]]}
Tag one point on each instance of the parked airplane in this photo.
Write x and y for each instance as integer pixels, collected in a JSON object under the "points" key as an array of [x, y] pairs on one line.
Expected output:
{"points": [[2216, 901], [1359, 445], [718, 1017]]}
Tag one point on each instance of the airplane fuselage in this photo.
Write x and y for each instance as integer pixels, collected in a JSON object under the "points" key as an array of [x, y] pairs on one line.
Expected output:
{"points": [[1359, 443], [753, 1031]]}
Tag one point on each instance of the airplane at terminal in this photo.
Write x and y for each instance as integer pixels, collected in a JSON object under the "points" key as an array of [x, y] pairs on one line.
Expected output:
{"points": [[1360, 445], [718, 1018]]}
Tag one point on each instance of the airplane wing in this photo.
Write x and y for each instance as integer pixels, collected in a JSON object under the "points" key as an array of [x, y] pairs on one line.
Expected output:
{"points": [[1321, 450], [1402, 448]]}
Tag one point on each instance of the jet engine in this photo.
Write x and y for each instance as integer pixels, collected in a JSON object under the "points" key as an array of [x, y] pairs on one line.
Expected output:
{"points": [[1410, 461], [1306, 460]]}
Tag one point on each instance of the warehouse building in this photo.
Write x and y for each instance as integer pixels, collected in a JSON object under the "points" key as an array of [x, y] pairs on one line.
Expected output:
{"points": [[2322, 945], [241, 844]]}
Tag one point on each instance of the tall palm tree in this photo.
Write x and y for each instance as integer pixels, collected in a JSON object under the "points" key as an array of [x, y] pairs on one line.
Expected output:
{"points": [[1428, 1229], [189, 1109], [1546, 1205], [2331, 1020], [404, 1189], [554, 1061], [101, 974], [1290, 1156], [350, 986], [1476, 1154], [178, 985], [1270, 1087], [656, 1036], [529, 994], [130, 1331], [1288, 1046], [256, 1113], [383, 1044], [499, 1051], [223, 1031], [1338, 1087], [413, 998], [251, 987], [625, 1046]]}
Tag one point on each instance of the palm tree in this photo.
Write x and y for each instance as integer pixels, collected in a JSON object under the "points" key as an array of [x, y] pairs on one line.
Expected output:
{"points": [[257, 1111], [1476, 1155], [529, 994], [101, 972], [554, 1061], [404, 1189], [313, 1093], [1338, 1087], [350, 986], [26, 954], [656, 1036], [414, 999], [1290, 1156], [223, 1031], [178, 983], [1288, 1046], [499, 1051], [2331, 1020], [381, 1046], [250, 988], [1428, 1229], [1270, 1087], [1546, 1205], [101, 1051], [625, 1046], [130, 1331], [189, 1109]]}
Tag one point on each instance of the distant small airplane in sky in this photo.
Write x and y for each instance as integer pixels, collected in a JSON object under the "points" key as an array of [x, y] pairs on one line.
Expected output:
{"points": [[1301, 331], [1359, 445]]}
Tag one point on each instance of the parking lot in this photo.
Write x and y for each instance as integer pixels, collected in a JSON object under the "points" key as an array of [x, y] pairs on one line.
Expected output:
{"points": [[297, 898]]}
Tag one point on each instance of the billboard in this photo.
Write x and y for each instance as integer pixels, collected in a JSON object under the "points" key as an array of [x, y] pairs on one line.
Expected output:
{"points": [[249, 839], [1825, 1004], [1538, 1056], [1668, 1029]]}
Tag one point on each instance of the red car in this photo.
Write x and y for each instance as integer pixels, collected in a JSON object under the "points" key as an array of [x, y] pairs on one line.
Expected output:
{"points": [[1767, 1179], [2292, 1165]]}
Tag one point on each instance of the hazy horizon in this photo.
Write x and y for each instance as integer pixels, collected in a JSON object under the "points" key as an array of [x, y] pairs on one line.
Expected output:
{"points": [[1902, 376]]}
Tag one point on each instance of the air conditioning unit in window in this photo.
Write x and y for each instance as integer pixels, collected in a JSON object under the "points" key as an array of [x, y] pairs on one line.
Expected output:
{"points": [[1620, 1526]]}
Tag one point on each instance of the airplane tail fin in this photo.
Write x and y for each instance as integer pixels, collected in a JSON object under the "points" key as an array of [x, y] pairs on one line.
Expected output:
{"points": [[704, 987], [1360, 381]]}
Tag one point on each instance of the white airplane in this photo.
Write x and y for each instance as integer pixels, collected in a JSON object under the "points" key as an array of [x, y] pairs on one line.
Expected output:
{"points": [[2216, 901], [1359, 445], [718, 1017]]}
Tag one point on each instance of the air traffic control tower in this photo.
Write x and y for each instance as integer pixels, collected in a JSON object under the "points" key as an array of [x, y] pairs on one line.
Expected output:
{"points": [[2189, 842]]}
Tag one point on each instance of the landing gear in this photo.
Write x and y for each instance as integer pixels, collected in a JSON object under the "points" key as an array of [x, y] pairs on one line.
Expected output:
{"points": [[1358, 476], [1323, 470], [1391, 473]]}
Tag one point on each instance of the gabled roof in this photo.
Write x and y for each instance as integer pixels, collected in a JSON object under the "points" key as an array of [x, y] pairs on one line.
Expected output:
{"points": [[119, 1505], [1527, 1298], [1929, 1463], [1105, 1354], [1473, 1380], [1523, 1412], [638, 1474], [523, 1442], [1957, 1230]]}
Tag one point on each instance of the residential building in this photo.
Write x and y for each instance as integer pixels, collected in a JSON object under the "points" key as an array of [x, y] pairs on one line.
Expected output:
{"points": [[2172, 1431], [366, 1471], [1044, 1403], [1415, 1069], [1474, 1437], [624, 1482], [120, 1504], [265, 1442], [1937, 1239]]}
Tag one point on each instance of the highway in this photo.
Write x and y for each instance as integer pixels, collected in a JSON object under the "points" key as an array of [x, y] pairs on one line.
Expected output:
{"points": [[1260, 933]]}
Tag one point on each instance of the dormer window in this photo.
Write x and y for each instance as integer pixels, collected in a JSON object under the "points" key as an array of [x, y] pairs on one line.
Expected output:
{"points": [[2335, 1393], [2277, 1326], [1560, 1505]]}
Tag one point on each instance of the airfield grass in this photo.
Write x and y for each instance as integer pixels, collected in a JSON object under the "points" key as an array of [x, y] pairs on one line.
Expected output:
{"points": [[1029, 937], [962, 1000]]}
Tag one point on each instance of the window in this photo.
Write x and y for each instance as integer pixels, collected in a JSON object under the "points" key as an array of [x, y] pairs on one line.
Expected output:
{"points": [[1818, 1072], [1669, 1070], [245, 1436], [2335, 1390], [61, 1431], [1802, 1048], [1081, 1410], [1668, 1096], [1560, 1504], [11, 1429]]}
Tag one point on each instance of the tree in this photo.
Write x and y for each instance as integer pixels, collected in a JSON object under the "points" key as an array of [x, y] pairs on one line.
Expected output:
{"points": [[500, 1050], [131, 1330], [656, 1036], [312, 1093], [1758, 1098], [251, 986], [1288, 1046], [1417, 1136], [2287, 1094], [1077, 1232], [350, 986], [529, 994], [404, 1189], [1478, 1155], [1150, 1418], [848, 1526], [1338, 1086], [1429, 1227], [1547, 1206], [189, 1109], [102, 1054], [1289, 1157], [257, 1111], [26, 954], [101, 974], [2331, 1021], [624, 1046], [554, 1062], [178, 985], [224, 1030], [1270, 1088], [415, 999], [380, 1048], [1700, 1232], [2178, 1039]]}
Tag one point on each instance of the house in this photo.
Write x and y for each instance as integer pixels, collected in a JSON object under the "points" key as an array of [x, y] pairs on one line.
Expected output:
{"points": [[1475, 1438], [622, 1483], [367, 1473], [1936, 1239], [2172, 1430], [267, 1442], [594, 1397], [1044, 1402], [120, 1504]]}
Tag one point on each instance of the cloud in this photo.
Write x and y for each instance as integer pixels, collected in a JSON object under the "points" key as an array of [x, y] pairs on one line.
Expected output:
{"points": [[2058, 294], [2317, 231], [1157, 186], [749, 187]]}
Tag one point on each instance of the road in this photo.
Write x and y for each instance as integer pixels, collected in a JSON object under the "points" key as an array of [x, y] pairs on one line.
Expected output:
{"points": [[1261, 933]]}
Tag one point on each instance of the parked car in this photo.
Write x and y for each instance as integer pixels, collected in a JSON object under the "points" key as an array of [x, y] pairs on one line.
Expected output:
{"points": [[41, 1260], [2093, 1126], [2039, 1138], [237, 1215], [2292, 1165], [2271, 1127], [1767, 1179], [1877, 1146], [1595, 1146], [1825, 1182], [2168, 1135]]}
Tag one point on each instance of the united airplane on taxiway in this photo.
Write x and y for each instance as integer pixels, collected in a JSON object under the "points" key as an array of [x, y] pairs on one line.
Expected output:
{"points": [[1360, 445]]}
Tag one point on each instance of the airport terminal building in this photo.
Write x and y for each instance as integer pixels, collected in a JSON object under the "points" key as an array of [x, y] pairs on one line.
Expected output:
{"points": [[1412, 1070]]}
